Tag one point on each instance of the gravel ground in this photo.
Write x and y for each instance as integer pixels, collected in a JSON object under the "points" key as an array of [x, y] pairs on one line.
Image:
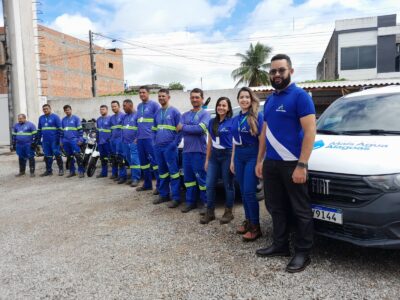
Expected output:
{"points": [[93, 239]]}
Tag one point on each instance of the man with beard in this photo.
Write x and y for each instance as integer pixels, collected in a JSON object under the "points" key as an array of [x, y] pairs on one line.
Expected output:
{"points": [[103, 135], [288, 137], [117, 160]]}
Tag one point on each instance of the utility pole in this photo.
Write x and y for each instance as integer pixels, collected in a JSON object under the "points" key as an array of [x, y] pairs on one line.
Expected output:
{"points": [[92, 64]]}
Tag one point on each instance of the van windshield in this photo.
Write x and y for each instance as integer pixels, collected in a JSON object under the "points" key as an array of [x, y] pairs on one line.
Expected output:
{"points": [[370, 115]]}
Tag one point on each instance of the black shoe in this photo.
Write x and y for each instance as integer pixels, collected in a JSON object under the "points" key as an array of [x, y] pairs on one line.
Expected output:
{"points": [[203, 210], [61, 172], [188, 207], [128, 181], [160, 200], [142, 188], [272, 251], [156, 192], [20, 174], [298, 262], [134, 183], [173, 204], [71, 175], [81, 175], [113, 177], [46, 174], [101, 176], [121, 180], [32, 174], [116, 179]]}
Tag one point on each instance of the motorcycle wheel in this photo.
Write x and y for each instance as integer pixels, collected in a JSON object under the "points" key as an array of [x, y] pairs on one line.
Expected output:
{"points": [[92, 166], [86, 158]]}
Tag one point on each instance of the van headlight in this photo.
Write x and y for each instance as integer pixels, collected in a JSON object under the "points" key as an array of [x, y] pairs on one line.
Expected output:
{"points": [[386, 183]]}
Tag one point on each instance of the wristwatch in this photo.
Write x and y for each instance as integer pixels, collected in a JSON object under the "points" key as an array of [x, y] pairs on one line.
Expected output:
{"points": [[302, 165]]}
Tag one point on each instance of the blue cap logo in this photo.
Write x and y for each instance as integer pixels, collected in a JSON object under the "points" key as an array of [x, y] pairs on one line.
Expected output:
{"points": [[319, 144]]}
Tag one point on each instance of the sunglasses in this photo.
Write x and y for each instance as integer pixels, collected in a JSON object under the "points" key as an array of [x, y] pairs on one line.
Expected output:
{"points": [[281, 71]]}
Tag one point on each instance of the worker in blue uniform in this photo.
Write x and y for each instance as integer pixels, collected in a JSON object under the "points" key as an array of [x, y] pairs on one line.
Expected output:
{"points": [[117, 160], [72, 138], [103, 136], [145, 119], [129, 133], [23, 141], [194, 131], [49, 132], [166, 141]]}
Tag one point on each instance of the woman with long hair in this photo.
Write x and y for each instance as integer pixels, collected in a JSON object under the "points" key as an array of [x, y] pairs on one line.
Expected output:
{"points": [[246, 129], [218, 158]]}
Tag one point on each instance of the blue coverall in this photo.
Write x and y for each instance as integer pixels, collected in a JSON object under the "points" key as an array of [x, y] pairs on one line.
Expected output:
{"points": [[103, 135], [144, 122], [117, 152], [72, 133], [24, 137], [166, 141], [49, 130], [131, 156], [194, 131]]}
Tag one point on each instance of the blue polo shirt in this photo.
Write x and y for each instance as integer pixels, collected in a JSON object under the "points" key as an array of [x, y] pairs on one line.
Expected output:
{"points": [[283, 112], [241, 130], [224, 132]]}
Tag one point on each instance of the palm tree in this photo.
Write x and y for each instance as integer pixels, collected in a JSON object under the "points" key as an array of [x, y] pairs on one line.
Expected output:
{"points": [[253, 68]]}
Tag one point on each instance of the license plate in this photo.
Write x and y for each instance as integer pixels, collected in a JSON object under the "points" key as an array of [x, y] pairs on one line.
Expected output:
{"points": [[327, 214]]}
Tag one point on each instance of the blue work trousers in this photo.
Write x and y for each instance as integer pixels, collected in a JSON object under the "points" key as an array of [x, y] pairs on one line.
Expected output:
{"points": [[131, 156], [105, 152], [73, 150], [24, 151], [194, 176], [245, 163], [168, 169], [218, 166], [51, 149], [148, 162]]}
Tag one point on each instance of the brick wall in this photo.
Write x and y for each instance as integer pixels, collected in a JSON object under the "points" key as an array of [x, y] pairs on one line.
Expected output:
{"points": [[65, 67]]}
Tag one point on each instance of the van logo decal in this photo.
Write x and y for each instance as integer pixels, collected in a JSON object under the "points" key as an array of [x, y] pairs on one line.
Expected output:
{"points": [[319, 144]]}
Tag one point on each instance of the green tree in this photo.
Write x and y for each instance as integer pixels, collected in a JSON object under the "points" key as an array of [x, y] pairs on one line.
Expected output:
{"points": [[176, 86], [253, 68]]}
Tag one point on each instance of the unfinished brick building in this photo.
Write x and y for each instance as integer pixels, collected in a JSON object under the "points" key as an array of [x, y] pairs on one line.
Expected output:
{"points": [[65, 69]]}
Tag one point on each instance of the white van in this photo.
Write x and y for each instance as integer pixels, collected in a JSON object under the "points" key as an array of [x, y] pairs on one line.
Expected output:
{"points": [[354, 169]]}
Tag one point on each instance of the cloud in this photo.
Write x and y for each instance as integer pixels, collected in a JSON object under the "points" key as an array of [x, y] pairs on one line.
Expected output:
{"points": [[75, 25]]}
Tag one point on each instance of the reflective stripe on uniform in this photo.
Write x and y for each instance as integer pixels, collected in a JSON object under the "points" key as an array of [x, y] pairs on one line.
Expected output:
{"points": [[134, 167], [49, 128], [116, 126], [202, 188], [169, 127], [175, 176], [24, 133], [202, 125], [145, 167], [71, 128], [104, 130], [129, 128], [155, 167], [145, 120], [153, 128], [190, 184], [163, 176]]}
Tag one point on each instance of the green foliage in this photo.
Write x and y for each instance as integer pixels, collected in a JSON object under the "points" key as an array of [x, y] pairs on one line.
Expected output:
{"points": [[176, 86], [253, 68]]}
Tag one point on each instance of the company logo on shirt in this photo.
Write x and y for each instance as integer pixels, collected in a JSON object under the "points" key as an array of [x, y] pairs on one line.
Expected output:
{"points": [[319, 144], [225, 129], [281, 108]]}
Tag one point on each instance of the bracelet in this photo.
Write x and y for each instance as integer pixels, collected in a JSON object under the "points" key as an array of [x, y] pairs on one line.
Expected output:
{"points": [[302, 165]]}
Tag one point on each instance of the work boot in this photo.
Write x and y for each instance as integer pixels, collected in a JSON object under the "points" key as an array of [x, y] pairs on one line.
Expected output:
{"points": [[203, 210], [173, 204], [46, 173], [134, 183], [253, 233], [142, 189], [32, 167], [61, 172], [128, 181], [81, 175], [101, 176], [121, 180], [160, 200], [71, 175], [188, 207], [116, 178], [113, 177], [22, 167], [208, 216], [227, 216], [60, 165], [156, 192], [242, 229], [21, 173]]}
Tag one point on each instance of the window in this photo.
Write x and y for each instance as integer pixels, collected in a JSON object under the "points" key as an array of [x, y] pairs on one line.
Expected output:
{"points": [[354, 58], [111, 65]]}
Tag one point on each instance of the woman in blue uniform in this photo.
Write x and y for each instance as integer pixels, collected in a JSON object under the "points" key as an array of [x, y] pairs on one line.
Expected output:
{"points": [[246, 129], [218, 159]]}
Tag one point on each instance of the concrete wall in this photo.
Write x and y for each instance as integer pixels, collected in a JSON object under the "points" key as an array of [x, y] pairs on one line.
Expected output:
{"points": [[4, 119], [89, 108], [327, 67]]}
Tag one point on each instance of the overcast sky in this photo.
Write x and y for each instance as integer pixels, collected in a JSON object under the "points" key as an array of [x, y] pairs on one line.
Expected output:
{"points": [[186, 41]]}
